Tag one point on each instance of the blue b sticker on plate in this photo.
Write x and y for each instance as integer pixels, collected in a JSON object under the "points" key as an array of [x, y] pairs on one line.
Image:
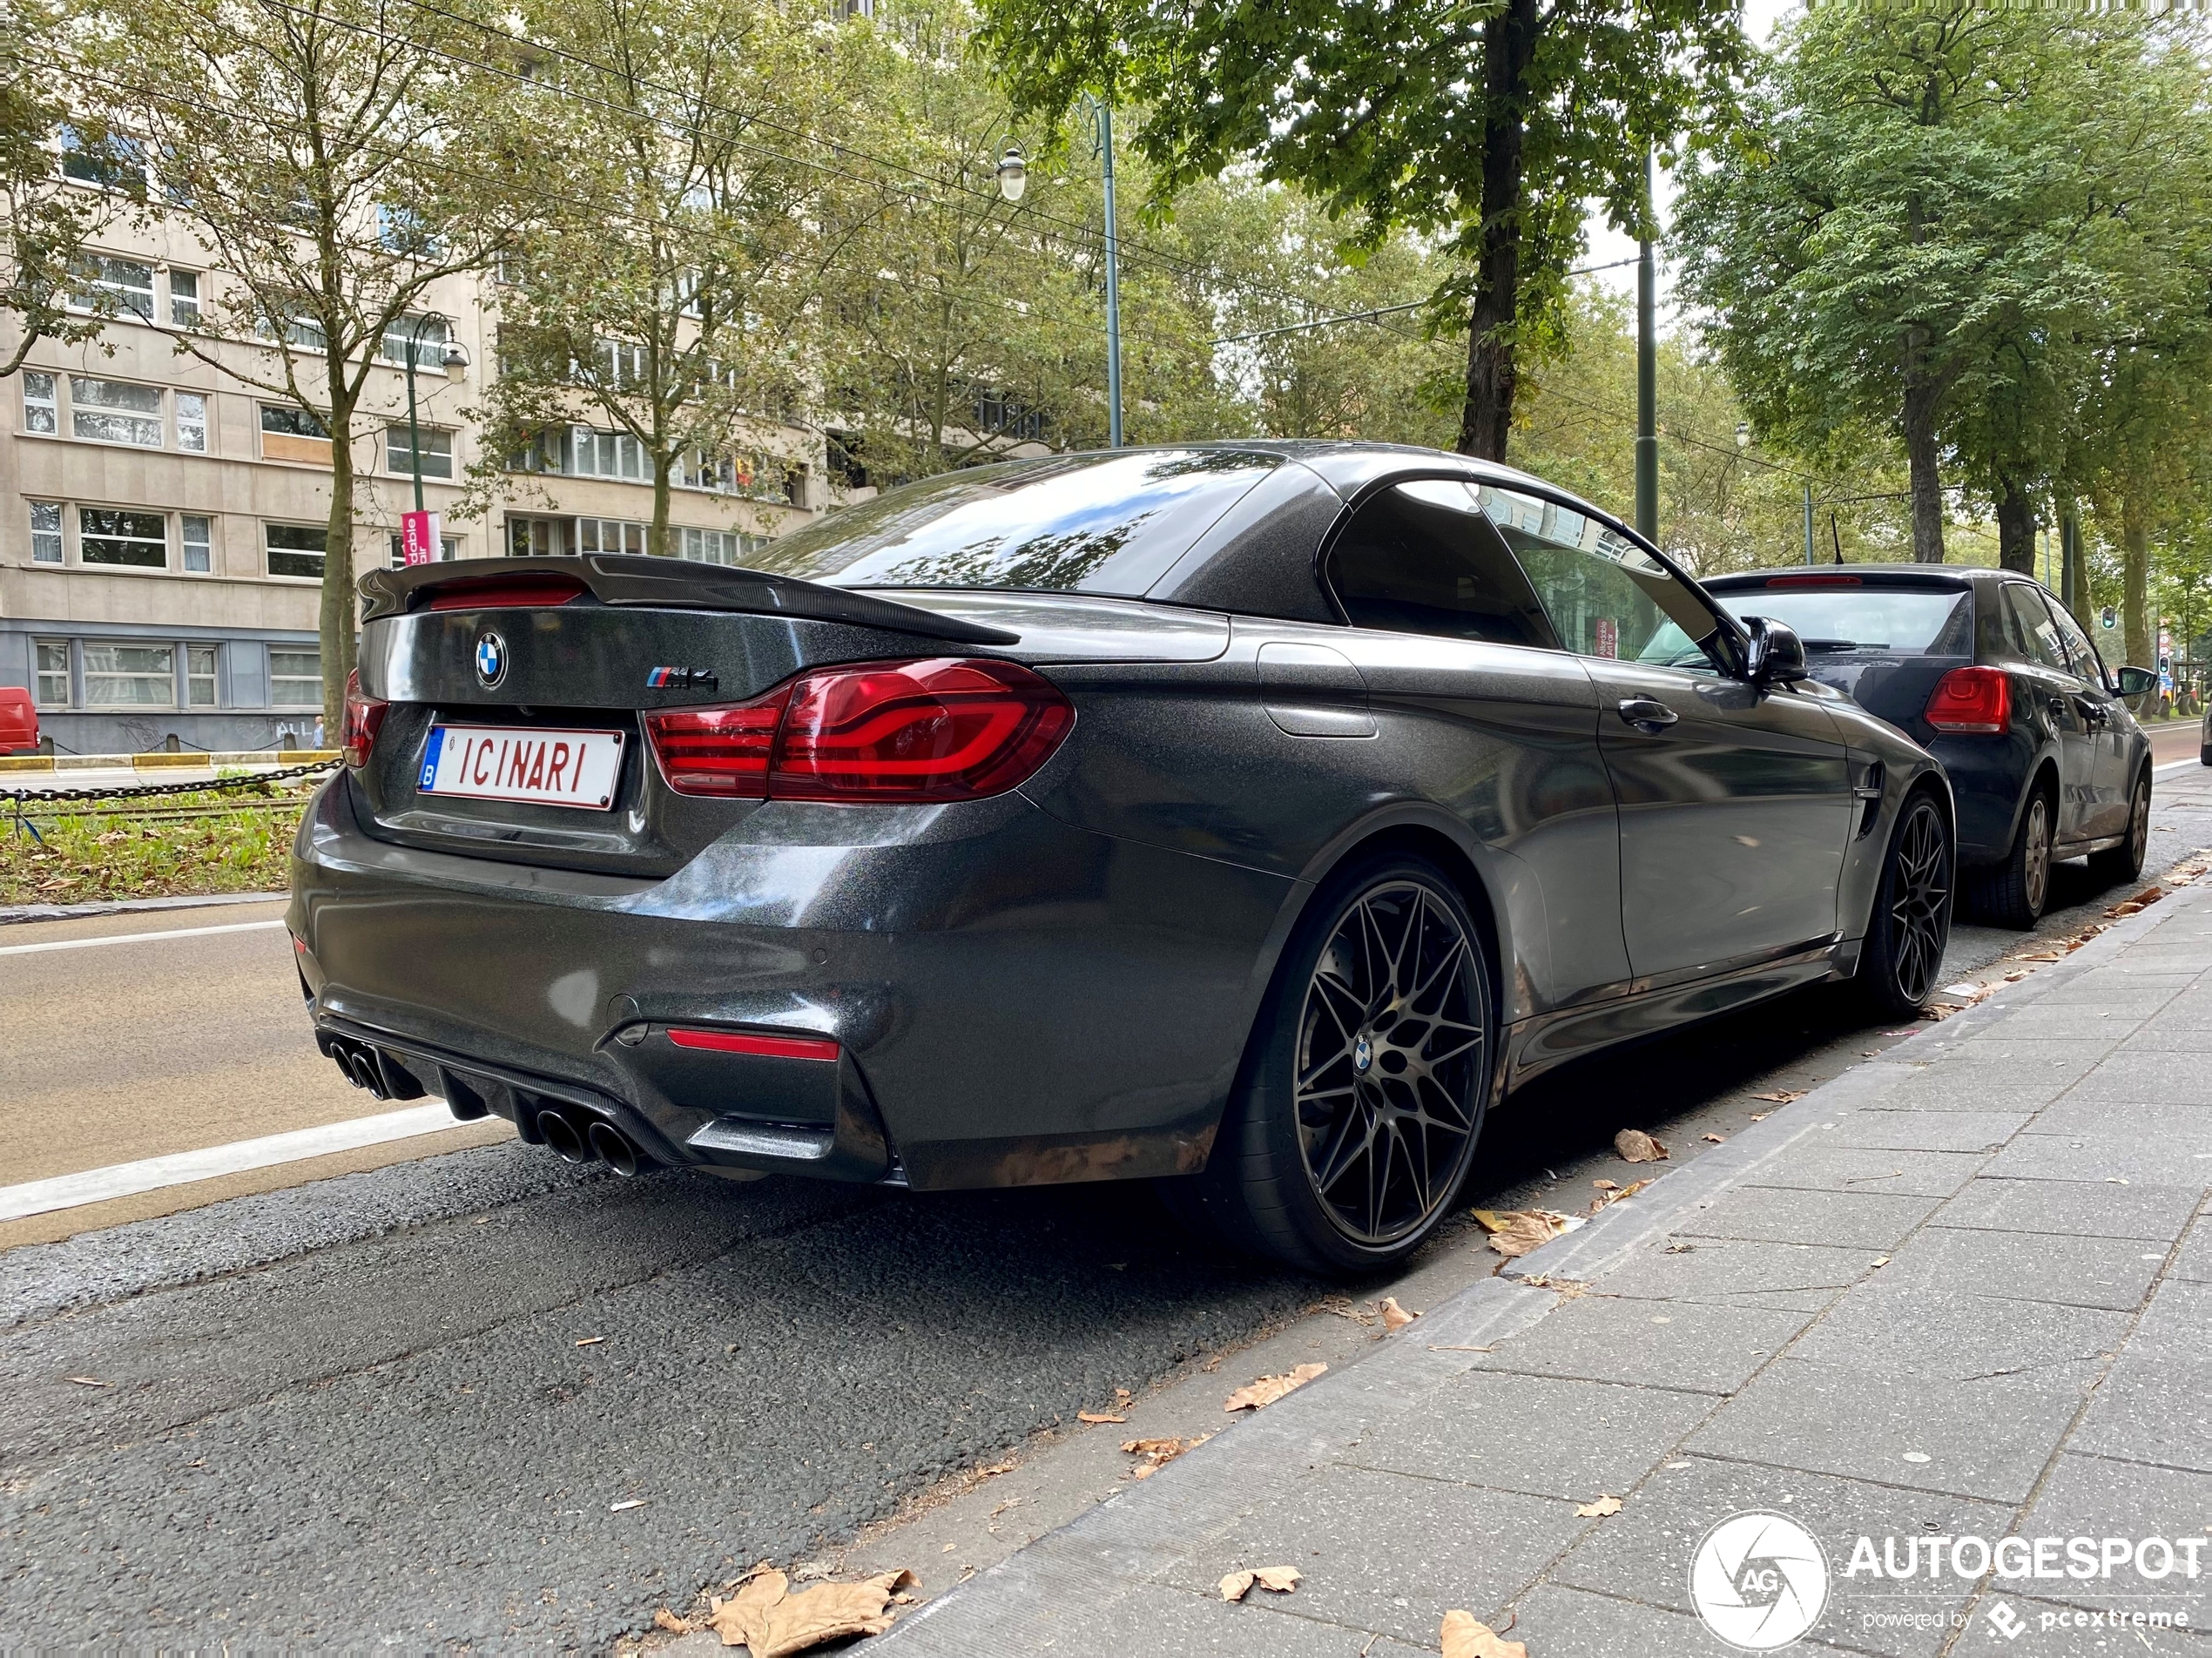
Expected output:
{"points": [[430, 757]]}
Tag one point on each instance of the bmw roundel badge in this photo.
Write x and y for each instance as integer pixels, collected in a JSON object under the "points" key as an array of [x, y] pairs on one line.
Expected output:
{"points": [[491, 658]]}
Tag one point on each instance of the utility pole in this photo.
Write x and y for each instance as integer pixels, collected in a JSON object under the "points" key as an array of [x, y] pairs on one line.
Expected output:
{"points": [[1648, 368], [1808, 521]]}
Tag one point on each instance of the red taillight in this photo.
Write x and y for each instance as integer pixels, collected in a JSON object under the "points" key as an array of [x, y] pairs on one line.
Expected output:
{"points": [[1814, 581], [364, 714], [733, 1041], [1972, 699], [491, 592], [946, 729]]}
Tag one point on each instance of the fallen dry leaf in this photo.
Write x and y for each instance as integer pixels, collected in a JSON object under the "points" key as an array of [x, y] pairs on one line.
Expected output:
{"points": [[591, 1341], [666, 1619], [2042, 955], [91, 1381], [1157, 1453], [1264, 1392], [1395, 1316], [634, 1502], [769, 1622], [1606, 1503], [1783, 1096], [1607, 1185], [1565, 1289], [1213, 1364], [1280, 1579], [1008, 1467], [1516, 1232], [1099, 1416], [1634, 1145], [1468, 1636], [1714, 1138]]}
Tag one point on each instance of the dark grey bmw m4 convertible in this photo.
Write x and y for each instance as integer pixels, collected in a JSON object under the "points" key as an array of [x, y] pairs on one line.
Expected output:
{"points": [[1252, 818]]}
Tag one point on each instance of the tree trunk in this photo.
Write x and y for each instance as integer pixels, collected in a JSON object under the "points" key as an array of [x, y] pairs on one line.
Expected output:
{"points": [[1921, 397], [2015, 528], [2134, 602], [336, 623], [2075, 582], [656, 534], [1485, 420]]}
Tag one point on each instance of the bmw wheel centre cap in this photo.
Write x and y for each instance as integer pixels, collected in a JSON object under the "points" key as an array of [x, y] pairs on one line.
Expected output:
{"points": [[491, 658]]}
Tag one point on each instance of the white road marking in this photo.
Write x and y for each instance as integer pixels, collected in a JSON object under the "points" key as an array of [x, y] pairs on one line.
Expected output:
{"points": [[181, 1168], [137, 938], [2173, 765]]}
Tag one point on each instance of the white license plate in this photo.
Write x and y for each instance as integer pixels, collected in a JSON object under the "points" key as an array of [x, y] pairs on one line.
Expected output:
{"points": [[516, 763]]}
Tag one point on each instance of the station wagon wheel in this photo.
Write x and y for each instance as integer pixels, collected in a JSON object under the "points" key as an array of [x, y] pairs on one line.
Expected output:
{"points": [[1906, 936], [2125, 861], [1362, 1092]]}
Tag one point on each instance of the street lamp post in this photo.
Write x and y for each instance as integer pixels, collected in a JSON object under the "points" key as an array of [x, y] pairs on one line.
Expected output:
{"points": [[1647, 374], [425, 530], [1014, 179]]}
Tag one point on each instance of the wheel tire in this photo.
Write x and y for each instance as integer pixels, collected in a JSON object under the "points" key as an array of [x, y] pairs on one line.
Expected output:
{"points": [[2125, 861], [1902, 958], [1377, 1079], [2011, 893], [2204, 754]]}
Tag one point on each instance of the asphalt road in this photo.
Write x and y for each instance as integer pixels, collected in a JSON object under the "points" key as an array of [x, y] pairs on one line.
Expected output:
{"points": [[415, 1404]]}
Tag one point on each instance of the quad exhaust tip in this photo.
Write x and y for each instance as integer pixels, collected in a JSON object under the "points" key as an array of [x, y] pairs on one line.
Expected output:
{"points": [[615, 1149], [562, 1135]]}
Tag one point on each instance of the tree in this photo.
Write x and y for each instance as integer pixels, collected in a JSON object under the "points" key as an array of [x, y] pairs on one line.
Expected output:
{"points": [[661, 281], [339, 159], [55, 204], [1483, 126], [1906, 234]]}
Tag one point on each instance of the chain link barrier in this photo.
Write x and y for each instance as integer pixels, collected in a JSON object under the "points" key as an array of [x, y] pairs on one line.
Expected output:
{"points": [[15, 800]]}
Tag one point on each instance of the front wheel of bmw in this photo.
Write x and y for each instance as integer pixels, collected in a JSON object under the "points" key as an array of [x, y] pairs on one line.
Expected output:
{"points": [[1902, 957], [1363, 1093]]}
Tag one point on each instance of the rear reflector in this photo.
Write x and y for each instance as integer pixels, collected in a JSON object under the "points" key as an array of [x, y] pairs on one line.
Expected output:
{"points": [[1814, 581], [941, 730], [1972, 699], [501, 592], [733, 1041]]}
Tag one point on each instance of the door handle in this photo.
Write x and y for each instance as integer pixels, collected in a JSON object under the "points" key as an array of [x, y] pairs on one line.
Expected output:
{"points": [[2090, 712], [1648, 715]]}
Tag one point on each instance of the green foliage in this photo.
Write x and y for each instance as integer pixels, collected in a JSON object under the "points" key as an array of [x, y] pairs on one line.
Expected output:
{"points": [[234, 841]]}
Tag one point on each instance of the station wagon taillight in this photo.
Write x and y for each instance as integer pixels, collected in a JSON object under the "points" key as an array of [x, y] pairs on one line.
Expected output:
{"points": [[364, 715], [941, 730], [1972, 699]]}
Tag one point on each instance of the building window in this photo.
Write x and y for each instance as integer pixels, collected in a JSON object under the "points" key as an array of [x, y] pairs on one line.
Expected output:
{"points": [[296, 549], [113, 163], [715, 546], [449, 548], [295, 679], [130, 676], [53, 673], [303, 334], [196, 539], [609, 536], [199, 674], [110, 535], [606, 454], [45, 532], [620, 365], [191, 422], [113, 411], [544, 451], [112, 287], [437, 452], [184, 298], [429, 350], [293, 422], [290, 434], [536, 537], [40, 408]]}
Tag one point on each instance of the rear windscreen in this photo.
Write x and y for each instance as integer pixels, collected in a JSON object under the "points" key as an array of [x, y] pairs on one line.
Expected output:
{"points": [[1107, 523], [1901, 621]]}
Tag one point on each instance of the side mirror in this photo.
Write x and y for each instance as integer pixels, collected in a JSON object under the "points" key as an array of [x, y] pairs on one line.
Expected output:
{"points": [[1774, 655], [2134, 682]]}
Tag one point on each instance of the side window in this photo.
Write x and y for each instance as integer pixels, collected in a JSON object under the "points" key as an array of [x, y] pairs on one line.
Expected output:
{"points": [[1420, 557], [1605, 596], [2088, 664], [2039, 632]]}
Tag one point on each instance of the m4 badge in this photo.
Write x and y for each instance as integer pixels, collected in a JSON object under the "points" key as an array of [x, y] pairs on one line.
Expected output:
{"points": [[681, 679]]}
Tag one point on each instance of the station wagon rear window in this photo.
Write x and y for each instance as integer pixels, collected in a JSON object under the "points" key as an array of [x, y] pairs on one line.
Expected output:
{"points": [[1089, 523], [1892, 621]]}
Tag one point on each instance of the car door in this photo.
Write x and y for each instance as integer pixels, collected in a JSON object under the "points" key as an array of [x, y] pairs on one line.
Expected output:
{"points": [[1735, 801], [2111, 742], [2061, 702]]}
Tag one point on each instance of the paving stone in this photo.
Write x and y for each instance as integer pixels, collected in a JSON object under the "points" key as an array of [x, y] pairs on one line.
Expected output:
{"points": [[1644, 1553], [2078, 1209], [1865, 1169], [2174, 1125], [2195, 1262], [2093, 1024], [1957, 1087], [1390, 1552], [2155, 1407], [1559, 1623], [1698, 1347], [1919, 1128], [1791, 1277], [2173, 1079], [1852, 1219], [1988, 1437], [2116, 1157], [1947, 1332], [2094, 988], [2160, 1037], [2088, 1496], [1543, 1435], [2114, 1273]]}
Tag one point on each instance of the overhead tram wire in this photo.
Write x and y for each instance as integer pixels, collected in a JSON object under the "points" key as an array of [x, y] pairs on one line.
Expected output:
{"points": [[1375, 312]]}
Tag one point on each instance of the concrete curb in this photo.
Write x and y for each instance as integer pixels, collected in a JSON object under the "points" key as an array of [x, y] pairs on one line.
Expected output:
{"points": [[125, 905]]}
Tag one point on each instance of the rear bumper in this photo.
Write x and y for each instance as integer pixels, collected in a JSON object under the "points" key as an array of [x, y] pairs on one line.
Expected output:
{"points": [[1988, 777], [1013, 1000]]}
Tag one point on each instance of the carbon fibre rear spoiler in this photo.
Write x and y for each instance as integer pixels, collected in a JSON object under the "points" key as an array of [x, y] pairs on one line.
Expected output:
{"points": [[630, 579]]}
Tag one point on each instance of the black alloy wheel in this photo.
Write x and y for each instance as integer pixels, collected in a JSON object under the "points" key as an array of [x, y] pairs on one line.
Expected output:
{"points": [[1363, 1093], [2125, 861], [1903, 955], [2011, 893]]}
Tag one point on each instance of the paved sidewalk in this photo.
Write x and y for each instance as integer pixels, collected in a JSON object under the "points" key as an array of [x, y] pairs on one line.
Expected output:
{"points": [[1961, 1293]]}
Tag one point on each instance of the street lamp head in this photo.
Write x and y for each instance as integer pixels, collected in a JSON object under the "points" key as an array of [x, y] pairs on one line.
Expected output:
{"points": [[1743, 434], [456, 356], [1013, 173]]}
